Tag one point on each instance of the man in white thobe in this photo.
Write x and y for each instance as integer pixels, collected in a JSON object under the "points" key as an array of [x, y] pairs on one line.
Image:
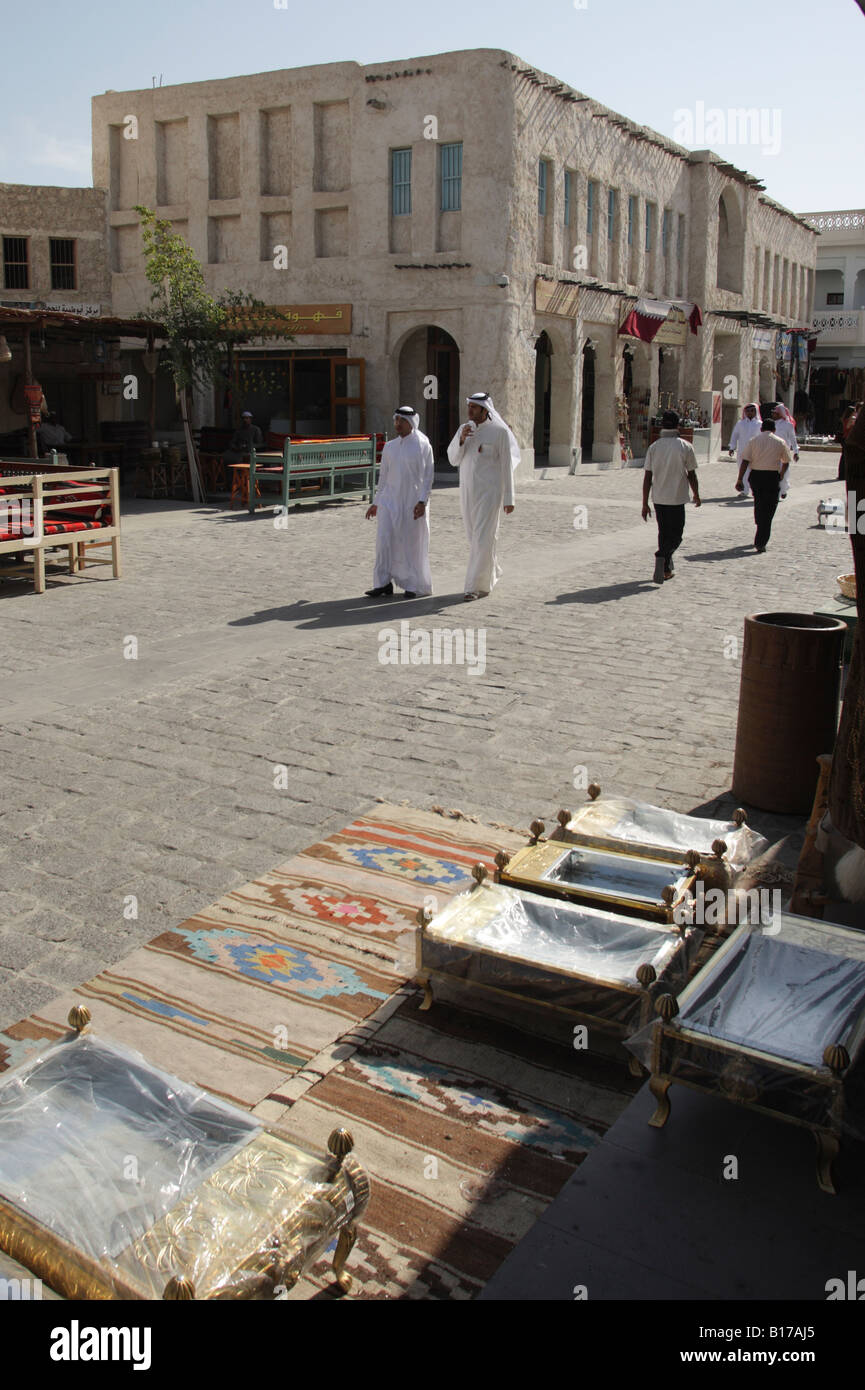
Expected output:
{"points": [[486, 453], [401, 504], [785, 428], [744, 431]]}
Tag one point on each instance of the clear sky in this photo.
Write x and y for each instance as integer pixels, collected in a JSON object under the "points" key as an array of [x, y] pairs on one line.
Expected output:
{"points": [[665, 64]]}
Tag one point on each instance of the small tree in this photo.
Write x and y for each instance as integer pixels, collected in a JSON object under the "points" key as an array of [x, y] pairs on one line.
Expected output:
{"points": [[199, 329]]}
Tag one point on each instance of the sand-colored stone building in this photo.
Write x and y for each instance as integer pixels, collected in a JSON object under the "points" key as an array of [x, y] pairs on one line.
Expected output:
{"points": [[452, 223], [54, 256]]}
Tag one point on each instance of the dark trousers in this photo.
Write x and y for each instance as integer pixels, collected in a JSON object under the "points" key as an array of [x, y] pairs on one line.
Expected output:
{"points": [[671, 528], [764, 486]]}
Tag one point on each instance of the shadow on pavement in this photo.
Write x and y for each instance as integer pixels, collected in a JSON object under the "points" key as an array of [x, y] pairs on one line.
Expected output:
{"points": [[720, 554], [351, 612], [605, 594]]}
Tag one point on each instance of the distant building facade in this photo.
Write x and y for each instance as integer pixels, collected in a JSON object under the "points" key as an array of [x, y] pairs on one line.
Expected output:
{"points": [[838, 316], [53, 255], [456, 223]]}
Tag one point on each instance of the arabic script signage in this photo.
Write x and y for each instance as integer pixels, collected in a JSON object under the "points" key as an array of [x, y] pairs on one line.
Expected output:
{"points": [[302, 319]]}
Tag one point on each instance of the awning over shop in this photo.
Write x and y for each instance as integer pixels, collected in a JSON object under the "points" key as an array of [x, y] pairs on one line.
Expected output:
{"points": [[648, 315]]}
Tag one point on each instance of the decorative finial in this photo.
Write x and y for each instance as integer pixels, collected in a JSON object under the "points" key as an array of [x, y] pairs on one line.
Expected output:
{"points": [[564, 818], [479, 873], [667, 1007], [340, 1143], [79, 1017], [536, 830], [646, 974], [593, 790], [178, 1289]]}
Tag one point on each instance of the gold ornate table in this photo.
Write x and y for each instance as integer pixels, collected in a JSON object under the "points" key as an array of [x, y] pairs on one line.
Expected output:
{"points": [[654, 887], [618, 822], [564, 962], [772, 1021], [119, 1181]]}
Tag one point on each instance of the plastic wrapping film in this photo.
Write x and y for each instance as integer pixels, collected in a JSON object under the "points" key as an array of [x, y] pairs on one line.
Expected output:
{"points": [[145, 1177], [638, 822], [756, 1022], [581, 959]]}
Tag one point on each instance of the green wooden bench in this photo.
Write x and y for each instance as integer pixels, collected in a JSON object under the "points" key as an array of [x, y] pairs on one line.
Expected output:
{"points": [[313, 470]]}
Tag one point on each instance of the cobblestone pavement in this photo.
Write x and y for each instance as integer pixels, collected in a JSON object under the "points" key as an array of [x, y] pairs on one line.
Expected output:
{"points": [[152, 783]]}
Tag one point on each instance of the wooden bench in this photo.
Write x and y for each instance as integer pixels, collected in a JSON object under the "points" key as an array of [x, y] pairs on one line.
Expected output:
{"points": [[311, 470], [43, 508]]}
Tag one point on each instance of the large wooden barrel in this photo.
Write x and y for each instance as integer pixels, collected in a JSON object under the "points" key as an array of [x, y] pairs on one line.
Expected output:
{"points": [[788, 708]]}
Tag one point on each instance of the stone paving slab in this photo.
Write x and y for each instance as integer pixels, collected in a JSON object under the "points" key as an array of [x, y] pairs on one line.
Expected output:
{"points": [[258, 715]]}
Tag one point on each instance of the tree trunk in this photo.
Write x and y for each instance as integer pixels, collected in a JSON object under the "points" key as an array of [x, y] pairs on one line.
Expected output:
{"points": [[198, 493]]}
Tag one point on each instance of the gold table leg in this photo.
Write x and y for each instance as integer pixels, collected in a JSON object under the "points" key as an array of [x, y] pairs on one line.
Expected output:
{"points": [[659, 1088], [344, 1247], [827, 1152]]}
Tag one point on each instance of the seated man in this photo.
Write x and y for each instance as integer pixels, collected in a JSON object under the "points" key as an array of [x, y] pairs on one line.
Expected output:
{"points": [[52, 434], [247, 437]]}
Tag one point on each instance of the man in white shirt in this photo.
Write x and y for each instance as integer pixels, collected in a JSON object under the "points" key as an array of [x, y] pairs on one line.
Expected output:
{"points": [[769, 459], [401, 504], [743, 432], [486, 453], [670, 469]]}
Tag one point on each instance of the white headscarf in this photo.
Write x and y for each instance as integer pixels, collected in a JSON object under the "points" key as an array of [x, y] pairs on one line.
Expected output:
{"points": [[486, 403], [408, 412]]}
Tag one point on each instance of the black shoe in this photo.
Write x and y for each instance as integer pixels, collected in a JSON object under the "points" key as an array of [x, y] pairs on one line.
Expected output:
{"points": [[409, 593], [761, 550], [384, 590], [658, 576]]}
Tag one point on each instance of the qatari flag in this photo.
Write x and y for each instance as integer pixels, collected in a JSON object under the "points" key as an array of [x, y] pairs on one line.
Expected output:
{"points": [[645, 319], [647, 315]]}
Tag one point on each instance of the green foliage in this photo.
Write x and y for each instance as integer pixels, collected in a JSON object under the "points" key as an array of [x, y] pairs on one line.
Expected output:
{"points": [[199, 329]]}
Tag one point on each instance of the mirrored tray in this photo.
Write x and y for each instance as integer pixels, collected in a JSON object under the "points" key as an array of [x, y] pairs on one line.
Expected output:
{"points": [[645, 886]]}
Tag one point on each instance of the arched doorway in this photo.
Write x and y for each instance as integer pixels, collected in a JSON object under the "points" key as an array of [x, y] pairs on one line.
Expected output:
{"points": [[429, 379], [587, 396], [543, 394]]}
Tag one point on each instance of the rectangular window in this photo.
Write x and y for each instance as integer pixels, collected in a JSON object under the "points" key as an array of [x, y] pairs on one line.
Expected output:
{"points": [[542, 188], [568, 190], [16, 264], [611, 214], [400, 182], [632, 217], [680, 238], [452, 177], [835, 298], [62, 252], [665, 231], [590, 208], [650, 225]]}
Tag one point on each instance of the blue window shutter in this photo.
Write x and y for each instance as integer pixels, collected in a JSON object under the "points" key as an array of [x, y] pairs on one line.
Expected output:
{"points": [[567, 198], [611, 214], [451, 177], [542, 188], [590, 208], [401, 182], [631, 209]]}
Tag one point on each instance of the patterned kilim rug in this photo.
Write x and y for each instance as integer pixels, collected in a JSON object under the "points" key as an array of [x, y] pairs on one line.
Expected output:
{"points": [[289, 997]]}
